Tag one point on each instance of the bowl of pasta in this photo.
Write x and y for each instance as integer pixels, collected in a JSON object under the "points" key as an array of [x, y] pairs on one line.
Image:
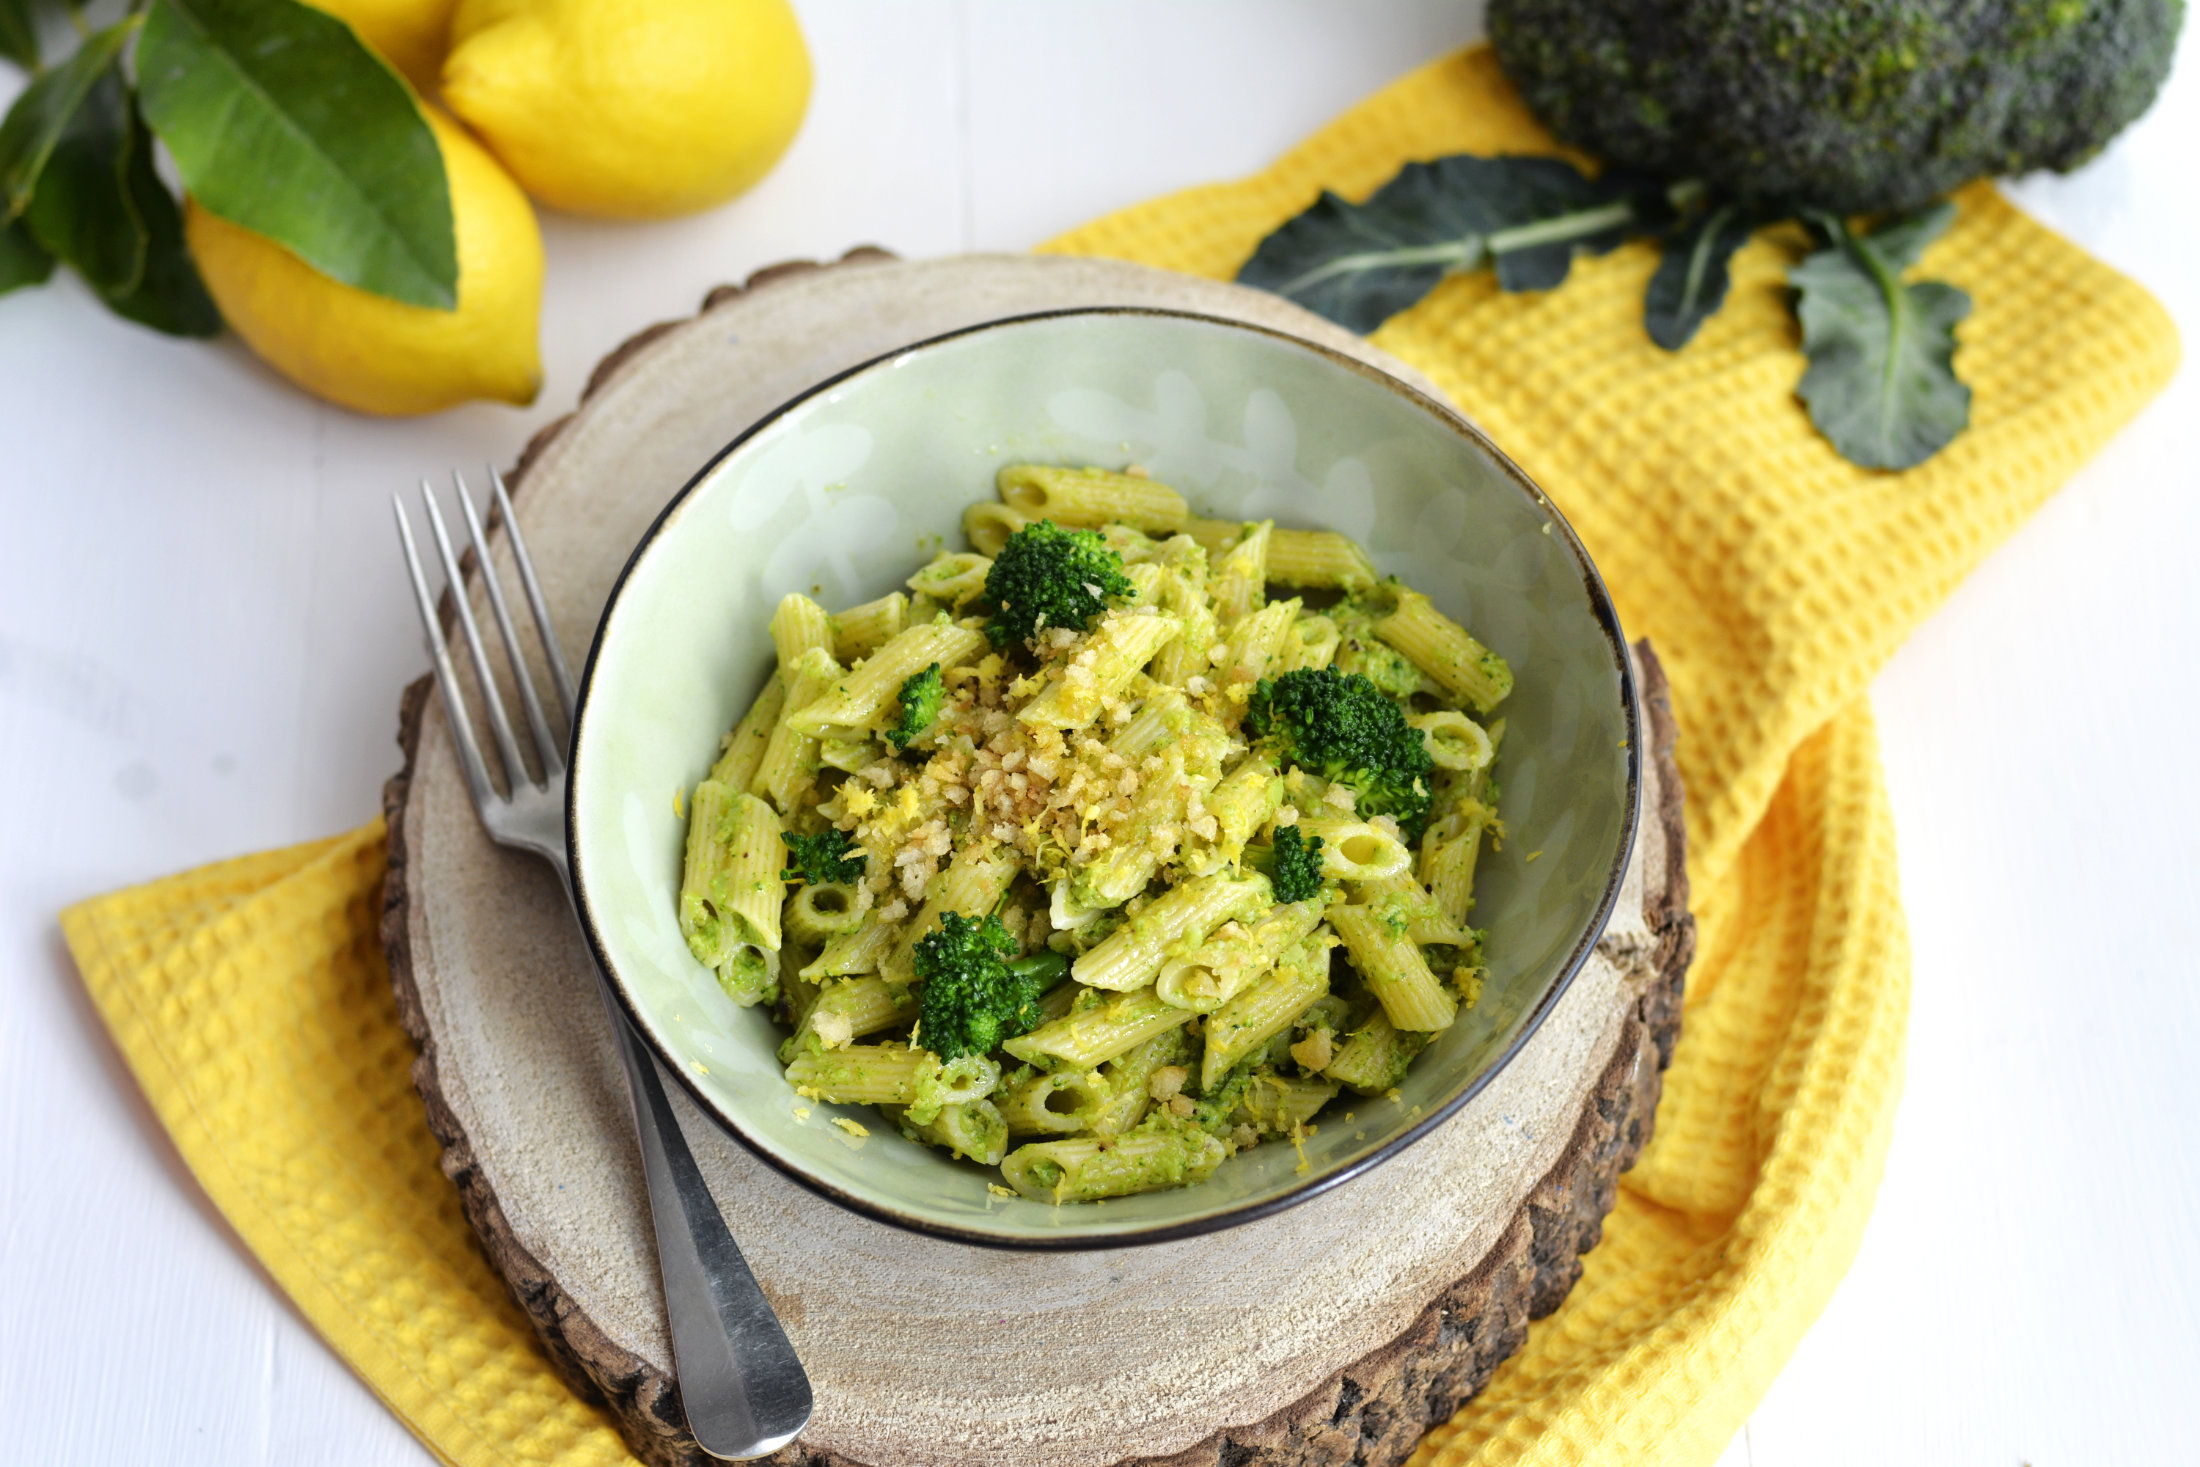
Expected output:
{"points": [[1099, 777]]}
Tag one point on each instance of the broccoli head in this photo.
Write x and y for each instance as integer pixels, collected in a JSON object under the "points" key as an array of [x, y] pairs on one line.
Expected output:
{"points": [[920, 704], [1295, 870], [1852, 108], [1046, 576], [1344, 728], [976, 994], [822, 859]]}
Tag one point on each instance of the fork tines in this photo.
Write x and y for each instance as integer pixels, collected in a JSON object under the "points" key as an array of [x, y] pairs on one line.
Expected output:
{"points": [[549, 748]]}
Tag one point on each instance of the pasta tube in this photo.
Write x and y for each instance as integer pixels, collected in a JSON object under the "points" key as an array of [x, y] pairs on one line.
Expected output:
{"points": [[1255, 641], [1312, 641], [1319, 558], [860, 951], [972, 1129], [1442, 648], [1400, 899], [798, 625], [1356, 850], [849, 1008], [730, 889], [973, 883], [816, 914], [1144, 1160], [1089, 498], [893, 1074], [1374, 1057], [1235, 956], [1281, 1105], [853, 705], [743, 748], [1111, 657], [1394, 970], [861, 630], [790, 761], [1239, 805], [951, 579], [1123, 870], [1059, 1104], [1130, 1079], [1240, 574], [1185, 595], [1129, 957], [1454, 740], [1266, 1009], [988, 525], [1099, 1031]]}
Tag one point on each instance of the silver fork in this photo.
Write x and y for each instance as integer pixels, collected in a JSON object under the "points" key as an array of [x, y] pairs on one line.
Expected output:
{"points": [[743, 1389]]}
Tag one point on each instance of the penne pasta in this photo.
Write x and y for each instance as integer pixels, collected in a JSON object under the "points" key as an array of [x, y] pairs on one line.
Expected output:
{"points": [[1235, 956], [730, 890], [1393, 969], [1356, 850], [856, 704], [1319, 559], [1090, 498], [1130, 957], [1080, 688], [861, 630], [1260, 1012], [1107, 1026], [1239, 574], [973, 883], [743, 748], [1084, 1170], [1442, 648]]}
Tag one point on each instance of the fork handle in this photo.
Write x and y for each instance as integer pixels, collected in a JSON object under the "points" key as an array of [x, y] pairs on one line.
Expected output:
{"points": [[743, 1389]]}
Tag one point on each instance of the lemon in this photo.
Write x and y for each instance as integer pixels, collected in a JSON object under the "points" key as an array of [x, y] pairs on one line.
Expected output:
{"points": [[410, 35], [630, 109], [382, 356]]}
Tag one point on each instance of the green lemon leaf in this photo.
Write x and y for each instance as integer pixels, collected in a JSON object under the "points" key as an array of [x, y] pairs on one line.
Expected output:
{"points": [[23, 260], [1881, 384], [34, 124], [1359, 264], [1690, 283], [281, 121], [169, 296], [19, 33], [80, 211]]}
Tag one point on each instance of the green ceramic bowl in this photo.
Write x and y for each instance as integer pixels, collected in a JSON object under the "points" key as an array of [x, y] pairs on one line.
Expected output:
{"points": [[849, 488]]}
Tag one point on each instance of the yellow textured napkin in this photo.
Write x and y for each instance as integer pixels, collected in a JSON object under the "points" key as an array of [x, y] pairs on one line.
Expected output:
{"points": [[1774, 578]]}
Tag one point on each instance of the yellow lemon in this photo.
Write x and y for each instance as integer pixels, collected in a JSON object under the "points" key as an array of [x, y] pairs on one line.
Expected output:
{"points": [[630, 109], [410, 35], [382, 356]]}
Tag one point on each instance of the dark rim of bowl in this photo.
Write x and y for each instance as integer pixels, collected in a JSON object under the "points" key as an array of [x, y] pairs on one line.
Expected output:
{"points": [[1607, 619]]}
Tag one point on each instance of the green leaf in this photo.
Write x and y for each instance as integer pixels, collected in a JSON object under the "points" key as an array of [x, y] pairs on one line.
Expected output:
{"points": [[19, 33], [1359, 264], [1691, 279], [23, 260], [169, 296], [1881, 385], [80, 211], [281, 121], [34, 124]]}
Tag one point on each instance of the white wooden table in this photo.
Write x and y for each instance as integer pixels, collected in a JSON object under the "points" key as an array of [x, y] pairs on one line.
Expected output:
{"points": [[203, 629]]}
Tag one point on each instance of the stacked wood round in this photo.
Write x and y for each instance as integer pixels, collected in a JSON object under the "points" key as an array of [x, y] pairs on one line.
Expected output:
{"points": [[1335, 1332]]}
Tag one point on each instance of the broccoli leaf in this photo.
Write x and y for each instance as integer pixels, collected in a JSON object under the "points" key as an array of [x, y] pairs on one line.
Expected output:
{"points": [[23, 260], [1691, 279], [1360, 264], [1881, 385]]}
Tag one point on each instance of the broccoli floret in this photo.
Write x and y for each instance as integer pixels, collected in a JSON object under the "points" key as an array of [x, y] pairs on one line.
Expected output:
{"points": [[1295, 870], [920, 704], [1046, 576], [975, 995], [1852, 108], [822, 859], [1344, 728]]}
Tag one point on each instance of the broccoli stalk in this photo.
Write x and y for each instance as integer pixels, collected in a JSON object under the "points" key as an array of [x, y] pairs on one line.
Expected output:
{"points": [[1346, 729], [920, 703], [824, 859], [1046, 576], [976, 994]]}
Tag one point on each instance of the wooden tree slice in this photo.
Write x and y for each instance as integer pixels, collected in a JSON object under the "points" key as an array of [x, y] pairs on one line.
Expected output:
{"points": [[1333, 1332]]}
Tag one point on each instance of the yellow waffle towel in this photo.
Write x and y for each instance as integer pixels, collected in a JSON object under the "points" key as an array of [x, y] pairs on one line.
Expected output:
{"points": [[1774, 578]]}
